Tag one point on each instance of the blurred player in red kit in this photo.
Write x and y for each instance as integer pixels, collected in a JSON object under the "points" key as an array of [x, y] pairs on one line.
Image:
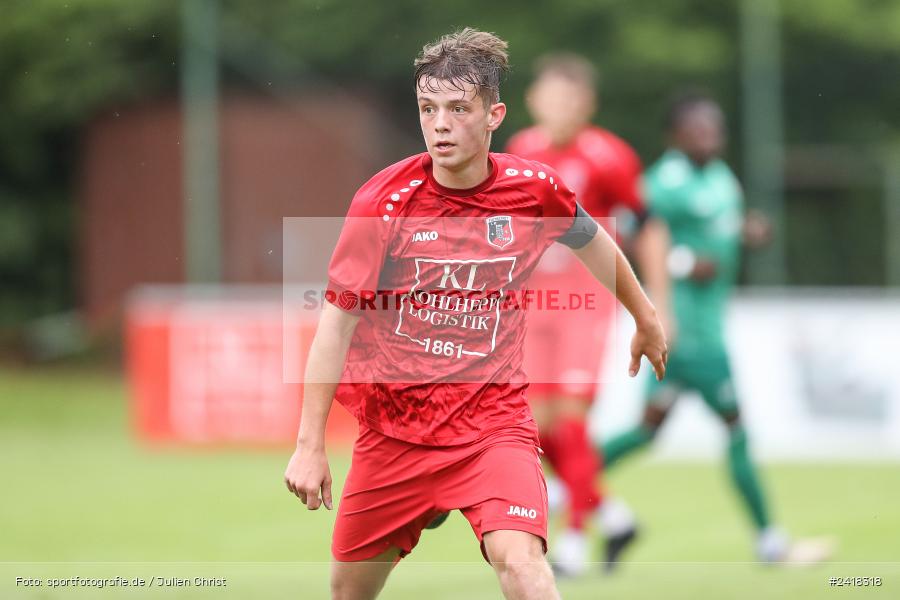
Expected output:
{"points": [[435, 376], [564, 349]]}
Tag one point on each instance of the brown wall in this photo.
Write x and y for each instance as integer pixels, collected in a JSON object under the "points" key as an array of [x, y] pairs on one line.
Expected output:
{"points": [[278, 159], [130, 213]]}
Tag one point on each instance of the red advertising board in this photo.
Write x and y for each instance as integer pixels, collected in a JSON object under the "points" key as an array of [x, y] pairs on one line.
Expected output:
{"points": [[208, 369]]}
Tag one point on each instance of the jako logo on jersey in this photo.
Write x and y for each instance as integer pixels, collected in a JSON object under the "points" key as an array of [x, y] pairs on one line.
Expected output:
{"points": [[425, 236], [499, 231], [521, 511]]}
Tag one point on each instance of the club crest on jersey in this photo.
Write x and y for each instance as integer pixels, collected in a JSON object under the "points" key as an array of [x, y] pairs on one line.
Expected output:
{"points": [[499, 231]]}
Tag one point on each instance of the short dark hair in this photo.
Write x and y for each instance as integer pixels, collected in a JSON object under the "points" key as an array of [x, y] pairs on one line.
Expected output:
{"points": [[569, 65], [685, 102], [467, 56]]}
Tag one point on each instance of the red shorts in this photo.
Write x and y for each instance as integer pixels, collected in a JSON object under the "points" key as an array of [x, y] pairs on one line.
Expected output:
{"points": [[565, 342], [395, 488]]}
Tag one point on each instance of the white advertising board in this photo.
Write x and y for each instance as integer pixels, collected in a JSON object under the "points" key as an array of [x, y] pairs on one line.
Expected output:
{"points": [[817, 375]]}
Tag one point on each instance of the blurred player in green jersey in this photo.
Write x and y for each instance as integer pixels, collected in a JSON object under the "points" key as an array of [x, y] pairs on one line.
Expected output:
{"points": [[692, 189]]}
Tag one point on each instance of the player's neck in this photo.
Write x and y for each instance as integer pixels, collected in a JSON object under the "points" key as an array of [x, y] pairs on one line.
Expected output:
{"points": [[698, 161], [467, 177]]}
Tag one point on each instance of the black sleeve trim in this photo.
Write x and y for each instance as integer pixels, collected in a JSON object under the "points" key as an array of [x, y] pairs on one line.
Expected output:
{"points": [[582, 231]]}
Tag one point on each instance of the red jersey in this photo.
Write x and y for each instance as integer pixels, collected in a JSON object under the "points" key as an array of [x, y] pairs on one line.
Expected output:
{"points": [[438, 359], [600, 167]]}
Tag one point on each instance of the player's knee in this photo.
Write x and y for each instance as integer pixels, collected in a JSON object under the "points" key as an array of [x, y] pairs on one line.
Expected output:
{"points": [[343, 587], [513, 552], [361, 580], [572, 407], [732, 419], [544, 417], [522, 571], [737, 437]]}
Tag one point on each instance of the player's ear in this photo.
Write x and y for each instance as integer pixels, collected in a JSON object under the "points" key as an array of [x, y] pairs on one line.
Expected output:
{"points": [[496, 114]]}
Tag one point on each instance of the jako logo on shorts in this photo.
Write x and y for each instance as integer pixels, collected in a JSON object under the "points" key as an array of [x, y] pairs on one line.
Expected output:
{"points": [[521, 511]]}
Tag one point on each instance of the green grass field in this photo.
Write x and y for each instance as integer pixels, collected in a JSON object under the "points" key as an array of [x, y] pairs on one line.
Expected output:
{"points": [[82, 498]]}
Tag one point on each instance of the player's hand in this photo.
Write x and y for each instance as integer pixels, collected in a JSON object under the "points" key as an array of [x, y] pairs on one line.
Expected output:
{"points": [[649, 340], [669, 325], [307, 474]]}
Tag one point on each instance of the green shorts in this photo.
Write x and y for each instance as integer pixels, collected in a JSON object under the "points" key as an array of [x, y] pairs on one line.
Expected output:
{"points": [[708, 374]]}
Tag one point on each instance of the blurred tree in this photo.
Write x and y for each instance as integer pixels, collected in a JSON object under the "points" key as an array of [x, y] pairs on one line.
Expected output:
{"points": [[61, 62]]}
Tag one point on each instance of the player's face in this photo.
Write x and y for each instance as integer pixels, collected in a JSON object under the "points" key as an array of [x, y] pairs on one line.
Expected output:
{"points": [[560, 106], [701, 134], [457, 125]]}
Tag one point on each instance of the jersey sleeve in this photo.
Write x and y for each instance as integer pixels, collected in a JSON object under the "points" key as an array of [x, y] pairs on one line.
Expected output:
{"points": [[359, 255], [565, 220]]}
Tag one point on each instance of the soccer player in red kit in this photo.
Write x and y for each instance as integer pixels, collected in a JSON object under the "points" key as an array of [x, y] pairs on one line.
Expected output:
{"points": [[435, 377], [563, 350]]}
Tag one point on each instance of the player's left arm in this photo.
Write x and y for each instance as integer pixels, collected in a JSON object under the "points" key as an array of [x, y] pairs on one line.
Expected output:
{"points": [[651, 250], [605, 260]]}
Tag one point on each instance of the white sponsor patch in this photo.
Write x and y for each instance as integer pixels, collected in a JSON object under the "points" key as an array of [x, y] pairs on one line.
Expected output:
{"points": [[455, 302]]}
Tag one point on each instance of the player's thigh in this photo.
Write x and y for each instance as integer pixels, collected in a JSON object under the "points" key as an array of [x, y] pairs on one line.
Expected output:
{"points": [[558, 406], [539, 352], [371, 522], [712, 379], [573, 406], [660, 397], [513, 546], [362, 580], [583, 340], [385, 502], [563, 348], [502, 488], [544, 412], [568, 394]]}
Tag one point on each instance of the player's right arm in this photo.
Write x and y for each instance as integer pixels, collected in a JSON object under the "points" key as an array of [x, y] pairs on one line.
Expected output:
{"points": [[668, 200], [353, 270], [307, 472]]}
